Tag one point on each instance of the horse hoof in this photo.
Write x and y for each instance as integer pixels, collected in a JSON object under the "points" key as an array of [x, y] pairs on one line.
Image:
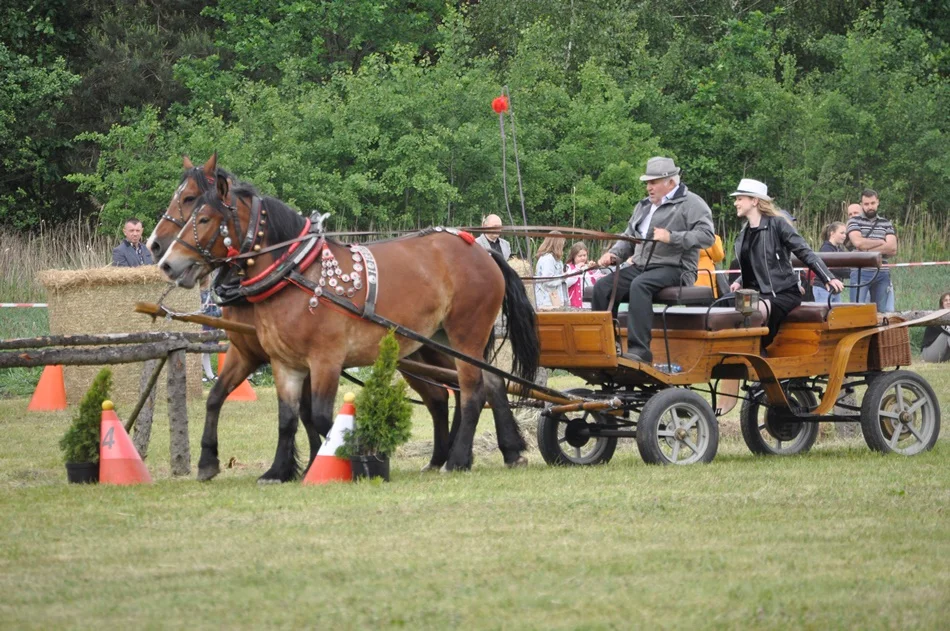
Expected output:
{"points": [[517, 464], [207, 473]]}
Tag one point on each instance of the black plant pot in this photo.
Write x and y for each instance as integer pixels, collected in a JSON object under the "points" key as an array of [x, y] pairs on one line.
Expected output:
{"points": [[82, 472], [370, 467]]}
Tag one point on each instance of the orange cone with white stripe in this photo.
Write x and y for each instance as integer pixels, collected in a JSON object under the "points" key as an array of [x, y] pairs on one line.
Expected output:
{"points": [[119, 460], [327, 466], [50, 393]]}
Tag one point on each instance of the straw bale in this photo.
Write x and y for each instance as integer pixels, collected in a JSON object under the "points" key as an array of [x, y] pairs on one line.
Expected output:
{"points": [[101, 300]]}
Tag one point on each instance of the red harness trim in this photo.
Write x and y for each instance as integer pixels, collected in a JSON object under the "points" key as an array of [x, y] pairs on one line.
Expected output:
{"points": [[270, 268], [467, 237], [302, 267]]}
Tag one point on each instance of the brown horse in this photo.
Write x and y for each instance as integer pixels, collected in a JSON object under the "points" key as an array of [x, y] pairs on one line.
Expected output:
{"points": [[249, 351]]}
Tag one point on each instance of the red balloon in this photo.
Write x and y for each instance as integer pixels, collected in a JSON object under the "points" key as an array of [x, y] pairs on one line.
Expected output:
{"points": [[500, 104]]}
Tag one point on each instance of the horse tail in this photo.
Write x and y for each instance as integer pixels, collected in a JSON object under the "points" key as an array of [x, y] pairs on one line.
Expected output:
{"points": [[522, 322]]}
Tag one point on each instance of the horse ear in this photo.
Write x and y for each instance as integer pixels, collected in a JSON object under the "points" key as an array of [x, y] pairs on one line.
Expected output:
{"points": [[224, 185], [211, 166], [186, 162]]}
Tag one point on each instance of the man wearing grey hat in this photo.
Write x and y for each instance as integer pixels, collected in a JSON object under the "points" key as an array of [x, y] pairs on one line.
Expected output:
{"points": [[680, 224]]}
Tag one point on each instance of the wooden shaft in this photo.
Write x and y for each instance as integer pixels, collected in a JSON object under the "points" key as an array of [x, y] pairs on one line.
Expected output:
{"points": [[157, 311], [586, 406]]}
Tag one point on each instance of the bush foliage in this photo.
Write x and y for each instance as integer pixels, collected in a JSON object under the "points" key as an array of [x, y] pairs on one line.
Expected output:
{"points": [[383, 414], [80, 443], [379, 110]]}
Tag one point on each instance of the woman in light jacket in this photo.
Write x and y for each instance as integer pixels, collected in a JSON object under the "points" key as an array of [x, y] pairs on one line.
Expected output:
{"points": [[764, 248], [550, 294]]}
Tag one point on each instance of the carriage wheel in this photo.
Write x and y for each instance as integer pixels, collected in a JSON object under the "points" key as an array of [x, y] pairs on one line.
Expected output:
{"points": [[677, 426], [563, 440], [766, 434], [900, 413]]}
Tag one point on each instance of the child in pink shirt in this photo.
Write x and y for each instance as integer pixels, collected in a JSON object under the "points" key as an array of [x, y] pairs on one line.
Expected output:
{"points": [[576, 260]]}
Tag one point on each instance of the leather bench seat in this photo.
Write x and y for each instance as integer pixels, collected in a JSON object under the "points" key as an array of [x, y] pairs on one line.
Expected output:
{"points": [[694, 319], [690, 295], [814, 312]]}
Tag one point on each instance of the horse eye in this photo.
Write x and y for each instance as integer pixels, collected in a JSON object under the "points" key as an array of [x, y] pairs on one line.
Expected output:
{"points": [[204, 220], [189, 199]]}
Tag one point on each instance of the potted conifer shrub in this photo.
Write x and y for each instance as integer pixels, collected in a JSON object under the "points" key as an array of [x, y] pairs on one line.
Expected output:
{"points": [[80, 443], [383, 417]]}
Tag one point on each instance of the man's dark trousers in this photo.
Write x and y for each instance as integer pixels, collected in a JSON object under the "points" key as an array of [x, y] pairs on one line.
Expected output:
{"points": [[637, 287]]}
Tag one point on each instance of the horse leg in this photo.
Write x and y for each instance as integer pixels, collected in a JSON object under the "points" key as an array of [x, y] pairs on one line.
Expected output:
{"points": [[324, 384], [313, 428], [289, 387], [436, 401], [472, 386], [236, 369], [510, 441]]}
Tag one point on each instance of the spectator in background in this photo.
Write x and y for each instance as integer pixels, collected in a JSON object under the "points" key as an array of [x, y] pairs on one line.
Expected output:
{"points": [[833, 237], [706, 273], [491, 241], [936, 344], [577, 259], [873, 233], [550, 294], [131, 252], [208, 308]]}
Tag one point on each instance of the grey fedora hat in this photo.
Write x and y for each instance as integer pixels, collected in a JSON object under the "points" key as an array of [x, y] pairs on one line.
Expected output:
{"points": [[659, 168]]}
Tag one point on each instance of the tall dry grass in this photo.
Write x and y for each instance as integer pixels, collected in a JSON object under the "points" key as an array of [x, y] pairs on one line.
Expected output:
{"points": [[75, 245]]}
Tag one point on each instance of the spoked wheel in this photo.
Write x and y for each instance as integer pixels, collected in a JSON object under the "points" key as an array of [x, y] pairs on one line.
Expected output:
{"points": [[900, 414], [767, 434], [677, 426], [564, 440]]}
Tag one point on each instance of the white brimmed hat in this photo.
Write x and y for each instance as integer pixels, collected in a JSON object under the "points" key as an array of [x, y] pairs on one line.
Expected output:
{"points": [[659, 168], [752, 188]]}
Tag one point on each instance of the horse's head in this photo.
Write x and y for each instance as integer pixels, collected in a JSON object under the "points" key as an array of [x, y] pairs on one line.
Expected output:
{"points": [[194, 182], [206, 239]]}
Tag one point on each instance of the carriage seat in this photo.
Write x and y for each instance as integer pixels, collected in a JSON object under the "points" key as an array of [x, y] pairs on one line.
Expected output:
{"points": [[683, 295], [817, 312], [695, 319]]}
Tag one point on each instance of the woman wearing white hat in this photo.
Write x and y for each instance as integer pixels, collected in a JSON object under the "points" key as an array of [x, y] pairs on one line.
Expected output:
{"points": [[763, 250]]}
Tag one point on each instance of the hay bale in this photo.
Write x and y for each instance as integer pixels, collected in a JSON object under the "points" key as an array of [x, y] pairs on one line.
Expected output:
{"points": [[101, 300]]}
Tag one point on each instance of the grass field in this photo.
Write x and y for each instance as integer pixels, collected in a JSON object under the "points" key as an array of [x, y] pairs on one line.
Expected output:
{"points": [[838, 538]]}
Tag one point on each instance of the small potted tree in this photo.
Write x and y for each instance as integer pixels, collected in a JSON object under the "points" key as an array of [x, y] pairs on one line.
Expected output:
{"points": [[383, 417], [80, 443]]}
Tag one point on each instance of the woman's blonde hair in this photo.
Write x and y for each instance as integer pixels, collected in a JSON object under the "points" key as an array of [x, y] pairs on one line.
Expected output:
{"points": [[575, 250], [770, 208], [553, 244]]}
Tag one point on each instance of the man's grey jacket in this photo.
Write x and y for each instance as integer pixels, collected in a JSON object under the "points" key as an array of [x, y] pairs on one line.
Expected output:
{"points": [[124, 255], [689, 221]]}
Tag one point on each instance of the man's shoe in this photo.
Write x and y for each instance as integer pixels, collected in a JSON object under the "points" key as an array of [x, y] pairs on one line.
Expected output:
{"points": [[633, 357]]}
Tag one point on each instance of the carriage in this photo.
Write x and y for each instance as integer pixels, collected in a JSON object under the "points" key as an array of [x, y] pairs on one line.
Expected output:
{"points": [[823, 353], [443, 286]]}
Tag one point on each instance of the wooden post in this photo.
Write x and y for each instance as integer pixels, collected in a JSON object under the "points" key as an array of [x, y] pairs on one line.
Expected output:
{"points": [[179, 449], [141, 416]]}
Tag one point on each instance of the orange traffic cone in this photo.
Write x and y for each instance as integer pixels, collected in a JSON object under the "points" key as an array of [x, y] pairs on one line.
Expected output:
{"points": [[243, 392], [327, 466], [50, 393], [119, 461]]}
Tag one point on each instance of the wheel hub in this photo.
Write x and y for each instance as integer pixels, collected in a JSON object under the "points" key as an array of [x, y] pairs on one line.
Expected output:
{"points": [[577, 433], [681, 434], [781, 429]]}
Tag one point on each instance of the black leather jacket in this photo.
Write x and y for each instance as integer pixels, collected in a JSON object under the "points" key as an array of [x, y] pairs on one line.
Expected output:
{"points": [[770, 258]]}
